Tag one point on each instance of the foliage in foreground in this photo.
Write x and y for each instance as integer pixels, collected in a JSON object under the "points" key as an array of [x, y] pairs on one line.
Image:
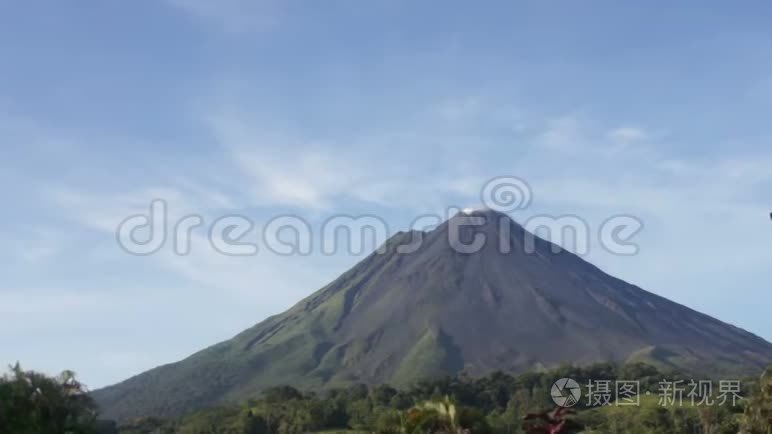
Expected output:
{"points": [[758, 414], [33, 403]]}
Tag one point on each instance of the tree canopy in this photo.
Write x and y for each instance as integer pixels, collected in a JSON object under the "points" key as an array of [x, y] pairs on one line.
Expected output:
{"points": [[33, 403]]}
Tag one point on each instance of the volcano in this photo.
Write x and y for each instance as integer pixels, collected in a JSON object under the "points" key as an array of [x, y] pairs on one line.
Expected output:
{"points": [[422, 307]]}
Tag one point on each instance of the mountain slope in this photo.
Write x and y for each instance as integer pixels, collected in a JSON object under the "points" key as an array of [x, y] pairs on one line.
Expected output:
{"points": [[398, 317]]}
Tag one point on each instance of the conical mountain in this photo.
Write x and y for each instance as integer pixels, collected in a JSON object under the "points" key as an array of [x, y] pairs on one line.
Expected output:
{"points": [[425, 306]]}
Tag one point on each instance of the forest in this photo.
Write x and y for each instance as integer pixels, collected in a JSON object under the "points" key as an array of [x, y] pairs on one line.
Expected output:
{"points": [[33, 403]]}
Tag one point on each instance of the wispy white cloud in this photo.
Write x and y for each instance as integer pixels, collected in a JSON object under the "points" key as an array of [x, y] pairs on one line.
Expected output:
{"points": [[279, 169], [104, 211], [564, 132], [236, 16], [454, 110], [36, 253], [627, 134], [43, 303], [305, 180]]}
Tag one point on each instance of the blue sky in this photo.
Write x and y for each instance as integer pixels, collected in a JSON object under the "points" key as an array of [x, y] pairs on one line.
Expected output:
{"points": [[393, 108]]}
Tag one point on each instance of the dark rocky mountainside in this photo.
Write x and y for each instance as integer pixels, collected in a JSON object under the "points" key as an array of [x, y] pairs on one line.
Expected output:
{"points": [[398, 317]]}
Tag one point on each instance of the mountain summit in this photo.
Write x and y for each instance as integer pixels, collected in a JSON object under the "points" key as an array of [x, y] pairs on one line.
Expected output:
{"points": [[426, 306]]}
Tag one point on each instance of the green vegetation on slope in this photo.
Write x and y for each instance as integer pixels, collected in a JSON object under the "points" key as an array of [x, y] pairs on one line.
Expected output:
{"points": [[432, 356]]}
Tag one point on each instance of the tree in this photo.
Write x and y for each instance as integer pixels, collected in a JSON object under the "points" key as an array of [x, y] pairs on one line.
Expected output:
{"points": [[401, 401], [758, 413], [31, 402], [281, 393], [388, 421], [435, 416], [253, 424], [381, 395], [360, 414], [473, 420]]}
